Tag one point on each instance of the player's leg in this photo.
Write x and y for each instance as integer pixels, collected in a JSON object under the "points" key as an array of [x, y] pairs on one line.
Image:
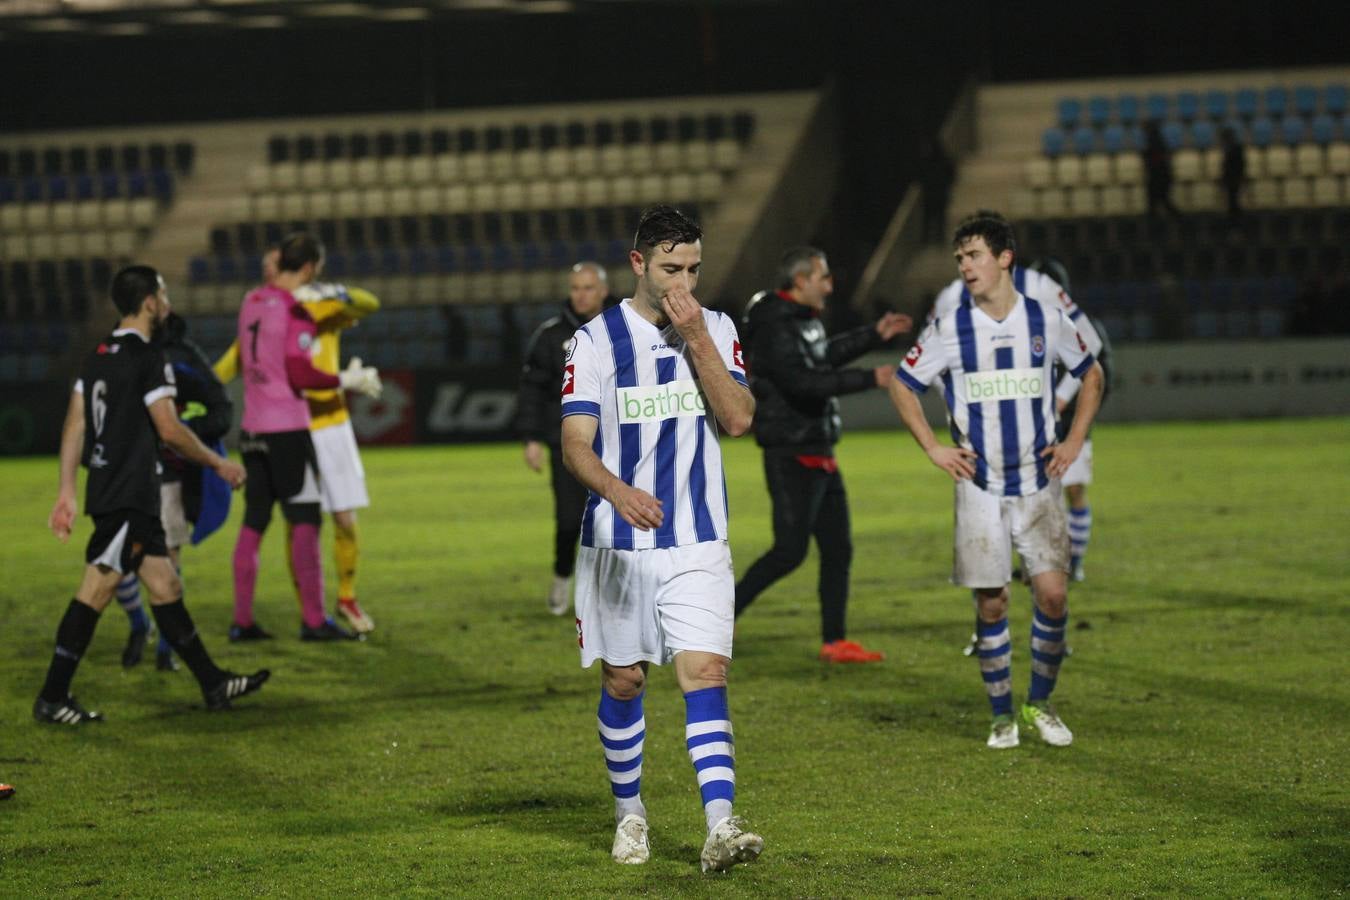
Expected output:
{"points": [[259, 494], [616, 620], [833, 535], [623, 731], [983, 562], [297, 482], [342, 490], [695, 603], [1076, 480], [54, 704], [219, 687], [569, 505], [177, 532], [795, 492], [1041, 535], [129, 598]]}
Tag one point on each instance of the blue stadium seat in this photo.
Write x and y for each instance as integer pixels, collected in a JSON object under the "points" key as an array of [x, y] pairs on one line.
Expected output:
{"points": [[447, 260], [31, 189], [1292, 129], [1323, 129], [335, 265], [391, 261], [1084, 140], [362, 264], [199, 270], [1157, 106], [1334, 99], [1305, 100], [1216, 105], [475, 260], [1276, 101], [85, 187], [531, 256], [1246, 102], [1262, 132], [1099, 110], [1202, 134], [227, 269], [1188, 105], [420, 261], [1127, 109], [9, 190], [137, 185], [1053, 141], [157, 155], [110, 185], [1113, 139], [1174, 133], [58, 187], [161, 185], [1067, 112], [559, 254]]}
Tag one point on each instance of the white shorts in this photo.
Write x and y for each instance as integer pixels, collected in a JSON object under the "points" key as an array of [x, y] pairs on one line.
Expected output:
{"points": [[176, 527], [636, 605], [1081, 470], [988, 527], [342, 479]]}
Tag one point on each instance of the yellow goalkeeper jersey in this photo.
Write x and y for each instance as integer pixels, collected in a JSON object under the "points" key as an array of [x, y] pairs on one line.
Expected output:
{"points": [[333, 308]]}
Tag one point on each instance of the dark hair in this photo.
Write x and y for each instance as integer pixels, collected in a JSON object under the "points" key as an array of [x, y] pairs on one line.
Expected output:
{"points": [[796, 261], [130, 286], [664, 226], [297, 249], [985, 223]]}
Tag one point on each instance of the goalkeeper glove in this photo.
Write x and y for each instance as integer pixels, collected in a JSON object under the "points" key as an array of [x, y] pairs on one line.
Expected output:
{"points": [[361, 379]]}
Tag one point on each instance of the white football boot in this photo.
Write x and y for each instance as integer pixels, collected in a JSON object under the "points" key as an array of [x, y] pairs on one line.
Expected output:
{"points": [[729, 843], [630, 841]]}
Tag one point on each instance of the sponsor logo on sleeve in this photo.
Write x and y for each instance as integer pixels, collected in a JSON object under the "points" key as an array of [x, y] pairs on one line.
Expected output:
{"points": [[569, 383], [736, 357], [912, 357]]}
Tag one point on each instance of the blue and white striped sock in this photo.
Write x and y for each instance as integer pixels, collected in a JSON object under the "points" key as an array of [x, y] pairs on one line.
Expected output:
{"points": [[1080, 530], [995, 648], [129, 598], [1047, 652], [623, 728], [707, 734]]}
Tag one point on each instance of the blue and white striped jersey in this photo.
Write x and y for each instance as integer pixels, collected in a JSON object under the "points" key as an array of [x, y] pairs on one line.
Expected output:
{"points": [[1028, 283], [997, 381], [655, 432]]}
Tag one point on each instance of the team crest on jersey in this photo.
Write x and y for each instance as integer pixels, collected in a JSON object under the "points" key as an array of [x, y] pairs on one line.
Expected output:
{"points": [[1037, 345], [912, 357], [569, 380]]}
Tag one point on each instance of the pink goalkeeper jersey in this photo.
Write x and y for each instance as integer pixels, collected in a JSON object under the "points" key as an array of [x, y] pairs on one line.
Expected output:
{"points": [[275, 339]]}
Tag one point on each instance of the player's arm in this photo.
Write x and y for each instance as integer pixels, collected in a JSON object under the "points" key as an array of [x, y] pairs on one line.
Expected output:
{"points": [[847, 346], [731, 402], [1066, 451], [957, 462], [182, 440], [538, 383], [227, 367], [778, 359], [637, 507], [62, 518]]}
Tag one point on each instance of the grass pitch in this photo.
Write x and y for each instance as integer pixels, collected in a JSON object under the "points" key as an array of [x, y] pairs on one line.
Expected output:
{"points": [[455, 752]]}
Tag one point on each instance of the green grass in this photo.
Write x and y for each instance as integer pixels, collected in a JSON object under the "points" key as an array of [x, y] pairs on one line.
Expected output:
{"points": [[455, 752]]}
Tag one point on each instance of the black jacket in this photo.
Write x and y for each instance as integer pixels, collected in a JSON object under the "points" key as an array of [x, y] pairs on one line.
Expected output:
{"points": [[538, 401], [795, 375], [202, 402]]}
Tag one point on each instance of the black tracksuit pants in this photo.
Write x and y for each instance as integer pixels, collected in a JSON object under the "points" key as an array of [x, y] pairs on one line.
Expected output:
{"points": [[807, 502], [569, 503]]}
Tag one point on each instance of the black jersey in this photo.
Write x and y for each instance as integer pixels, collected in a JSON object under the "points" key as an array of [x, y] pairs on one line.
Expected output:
{"points": [[120, 380]]}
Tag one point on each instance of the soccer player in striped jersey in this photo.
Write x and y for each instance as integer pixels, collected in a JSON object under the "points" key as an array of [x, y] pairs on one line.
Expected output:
{"points": [[995, 356], [645, 386]]}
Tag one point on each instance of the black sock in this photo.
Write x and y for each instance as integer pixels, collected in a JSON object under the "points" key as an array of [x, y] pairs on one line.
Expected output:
{"points": [[72, 639], [176, 626]]}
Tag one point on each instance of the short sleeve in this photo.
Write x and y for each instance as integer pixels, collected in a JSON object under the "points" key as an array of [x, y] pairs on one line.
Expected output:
{"points": [[1070, 346], [581, 377], [156, 376], [729, 345], [925, 360]]}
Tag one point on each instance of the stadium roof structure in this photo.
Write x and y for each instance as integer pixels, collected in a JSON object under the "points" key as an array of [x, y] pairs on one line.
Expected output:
{"points": [[22, 20]]}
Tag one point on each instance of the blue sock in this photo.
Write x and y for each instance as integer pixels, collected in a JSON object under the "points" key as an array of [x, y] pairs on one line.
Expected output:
{"points": [[707, 734], [623, 728], [1047, 652], [1080, 531], [129, 598], [995, 648]]}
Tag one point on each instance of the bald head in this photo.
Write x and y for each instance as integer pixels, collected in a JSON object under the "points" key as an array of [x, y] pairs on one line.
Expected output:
{"points": [[587, 287]]}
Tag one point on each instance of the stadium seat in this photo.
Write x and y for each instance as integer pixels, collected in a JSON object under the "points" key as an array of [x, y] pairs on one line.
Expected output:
{"points": [[1186, 165], [1157, 106], [1084, 140], [1296, 191], [1292, 130], [1053, 142], [1327, 191], [1174, 134], [1276, 101], [1216, 105], [1324, 129], [1305, 100], [1096, 169], [1279, 161], [1262, 132], [1068, 110], [1113, 139], [1202, 135], [1188, 106], [1127, 109], [1309, 160], [1098, 111]]}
